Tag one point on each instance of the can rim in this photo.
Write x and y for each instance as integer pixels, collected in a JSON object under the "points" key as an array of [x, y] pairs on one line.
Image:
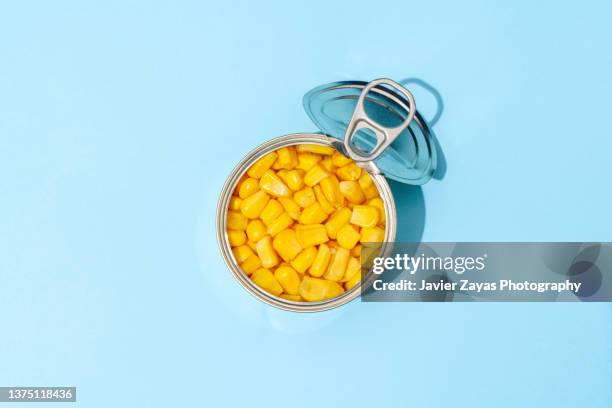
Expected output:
{"points": [[221, 223]]}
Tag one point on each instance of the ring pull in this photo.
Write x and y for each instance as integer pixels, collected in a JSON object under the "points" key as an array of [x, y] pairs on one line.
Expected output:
{"points": [[384, 135]]}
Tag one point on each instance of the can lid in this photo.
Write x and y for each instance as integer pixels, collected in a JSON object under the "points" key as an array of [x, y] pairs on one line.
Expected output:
{"points": [[410, 158]]}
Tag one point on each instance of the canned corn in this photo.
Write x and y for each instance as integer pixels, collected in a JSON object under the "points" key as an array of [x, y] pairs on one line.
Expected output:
{"points": [[293, 211]]}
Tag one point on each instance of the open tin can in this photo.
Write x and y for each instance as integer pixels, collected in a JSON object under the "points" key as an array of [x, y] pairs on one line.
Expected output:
{"points": [[376, 124]]}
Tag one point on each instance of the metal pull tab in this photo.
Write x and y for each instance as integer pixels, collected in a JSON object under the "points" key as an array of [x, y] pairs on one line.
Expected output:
{"points": [[384, 135]]}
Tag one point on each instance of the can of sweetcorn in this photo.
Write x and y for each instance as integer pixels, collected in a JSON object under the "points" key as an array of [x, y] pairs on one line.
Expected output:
{"points": [[294, 213]]}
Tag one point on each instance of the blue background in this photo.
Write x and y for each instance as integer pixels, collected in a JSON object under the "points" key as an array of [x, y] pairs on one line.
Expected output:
{"points": [[119, 122]]}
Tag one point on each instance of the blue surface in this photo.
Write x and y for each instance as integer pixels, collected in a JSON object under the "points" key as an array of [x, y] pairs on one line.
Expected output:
{"points": [[120, 121]]}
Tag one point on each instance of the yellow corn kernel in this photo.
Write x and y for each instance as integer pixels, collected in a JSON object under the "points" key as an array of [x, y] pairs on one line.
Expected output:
{"points": [[236, 221], [241, 253], [352, 268], [266, 280], [327, 164], [295, 179], [371, 192], [318, 149], [374, 234], [340, 160], [315, 175], [234, 203], [273, 185], [365, 181], [356, 251], [236, 238], [284, 221], [313, 214], [295, 298], [271, 212], [314, 289], [266, 253], [337, 221], [337, 265], [251, 264], [252, 245], [262, 165], [305, 197], [286, 244], [331, 189], [287, 158], [311, 235], [288, 279], [353, 281], [364, 216], [321, 260], [348, 236], [283, 174], [378, 203], [256, 230], [352, 192], [307, 160], [349, 172], [304, 260], [247, 187], [253, 205], [325, 205], [292, 208]]}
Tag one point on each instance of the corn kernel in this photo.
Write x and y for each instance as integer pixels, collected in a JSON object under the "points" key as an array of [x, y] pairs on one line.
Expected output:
{"points": [[262, 165], [348, 236], [307, 160], [364, 216], [315, 175], [353, 281], [234, 203], [287, 158], [325, 205], [236, 237], [251, 264], [253, 205], [266, 280], [304, 260], [319, 265], [236, 221], [327, 164], [241, 253], [311, 235], [350, 172], [288, 279], [286, 244], [337, 221], [295, 298], [331, 190], [282, 222], [314, 289], [313, 214], [291, 207], [352, 192], [378, 203], [337, 265], [352, 268], [340, 160], [356, 251], [271, 212], [252, 245], [370, 192], [374, 234], [273, 185], [365, 181], [266, 253], [318, 149], [256, 230], [295, 179], [305, 197], [247, 187]]}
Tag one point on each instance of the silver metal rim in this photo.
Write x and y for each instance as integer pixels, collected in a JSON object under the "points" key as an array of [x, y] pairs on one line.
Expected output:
{"points": [[292, 139]]}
